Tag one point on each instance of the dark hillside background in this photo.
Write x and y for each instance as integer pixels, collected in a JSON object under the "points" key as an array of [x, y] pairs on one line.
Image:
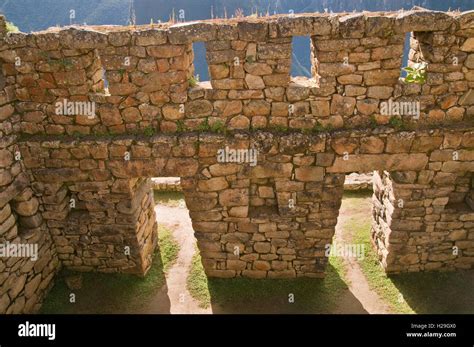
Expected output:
{"points": [[34, 15]]}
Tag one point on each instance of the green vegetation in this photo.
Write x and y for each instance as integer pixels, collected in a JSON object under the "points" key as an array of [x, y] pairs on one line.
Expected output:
{"points": [[114, 293], [217, 126], [12, 28], [416, 73], [388, 32], [149, 131], [373, 122], [430, 292], [197, 282], [435, 292], [204, 126], [169, 248], [171, 199], [244, 295], [372, 269], [121, 72], [279, 128], [193, 81], [63, 62], [319, 127], [78, 135], [105, 293], [396, 123], [181, 127]]}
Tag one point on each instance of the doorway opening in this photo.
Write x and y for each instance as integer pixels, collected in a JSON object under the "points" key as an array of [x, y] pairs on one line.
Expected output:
{"points": [[177, 244]]}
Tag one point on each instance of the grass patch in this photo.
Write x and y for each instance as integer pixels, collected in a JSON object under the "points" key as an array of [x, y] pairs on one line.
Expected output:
{"points": [[171, 199], [422, 292], [438, 292], [169, 248], [373, 271], [105, 293], [245, 295], [197, 282], [357, 204], [114, 293]]}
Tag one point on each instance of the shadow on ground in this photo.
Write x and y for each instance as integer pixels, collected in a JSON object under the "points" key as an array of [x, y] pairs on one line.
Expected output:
{"points": [[421, 292], [272, 296], [110, 293], [442, 292]]}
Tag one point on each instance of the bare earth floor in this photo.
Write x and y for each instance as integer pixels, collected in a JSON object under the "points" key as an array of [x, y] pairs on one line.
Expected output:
{"points": [[178, 221], [355, 279]]}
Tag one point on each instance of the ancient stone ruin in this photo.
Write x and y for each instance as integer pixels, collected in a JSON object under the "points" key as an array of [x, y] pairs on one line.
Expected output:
{"points": [[90, 114]]}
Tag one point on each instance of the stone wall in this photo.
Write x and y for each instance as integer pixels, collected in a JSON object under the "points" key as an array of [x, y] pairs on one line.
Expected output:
{"points": [[421, 220], [241, 213], [78, 184], [166, 184], [354, 181], [359, 181], [23, 279], [357, 61]]}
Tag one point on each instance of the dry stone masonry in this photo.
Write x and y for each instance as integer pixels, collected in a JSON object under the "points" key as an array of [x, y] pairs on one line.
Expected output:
{"points": [[89, 115]]}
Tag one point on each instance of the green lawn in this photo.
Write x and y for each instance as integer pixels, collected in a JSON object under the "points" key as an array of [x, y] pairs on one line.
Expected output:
{"points": [[244, 295], [168, 246], [114, 293], [374, 272], [428, 292], [197, 282]]}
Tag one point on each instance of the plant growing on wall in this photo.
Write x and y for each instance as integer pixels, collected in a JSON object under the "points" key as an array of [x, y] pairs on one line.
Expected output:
{"points": [[319, 127], [180, 126], [218, 127], [204, 126], [416, 73], [63, 62], [396, 122], [149, 131], [279, 128], [193, 81], [121, 72], [12, 28]]}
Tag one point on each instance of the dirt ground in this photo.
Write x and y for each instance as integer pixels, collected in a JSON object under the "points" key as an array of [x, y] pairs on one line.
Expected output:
{"points": [[369, 301], [178, 221]]}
